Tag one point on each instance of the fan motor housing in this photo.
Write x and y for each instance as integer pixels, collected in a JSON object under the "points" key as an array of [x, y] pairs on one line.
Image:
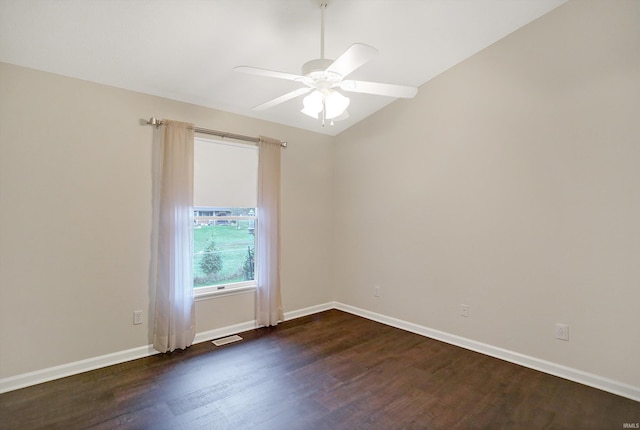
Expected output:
{"points": [[317, 75]]}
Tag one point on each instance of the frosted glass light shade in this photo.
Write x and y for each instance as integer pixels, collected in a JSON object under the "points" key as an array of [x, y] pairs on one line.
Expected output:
{"points": [[313, 104], [335, 104]]}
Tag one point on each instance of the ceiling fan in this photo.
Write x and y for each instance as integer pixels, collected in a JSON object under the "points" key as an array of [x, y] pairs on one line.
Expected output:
{"points": [[322, 76]]}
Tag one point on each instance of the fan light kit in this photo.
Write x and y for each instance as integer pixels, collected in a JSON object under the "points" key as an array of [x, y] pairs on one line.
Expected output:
{"points": [[322, 76]]}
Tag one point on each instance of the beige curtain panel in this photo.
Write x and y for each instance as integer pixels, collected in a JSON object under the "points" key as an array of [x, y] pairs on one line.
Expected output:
{"points": [[268, 300], [174, 317]]}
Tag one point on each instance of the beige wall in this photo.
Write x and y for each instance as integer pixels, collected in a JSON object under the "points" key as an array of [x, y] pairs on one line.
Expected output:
{"points": [[75, 211], [511, 183]]}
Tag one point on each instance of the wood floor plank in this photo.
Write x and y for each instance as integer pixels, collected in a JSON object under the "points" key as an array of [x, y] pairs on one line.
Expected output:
{"points": [[331, 370]]}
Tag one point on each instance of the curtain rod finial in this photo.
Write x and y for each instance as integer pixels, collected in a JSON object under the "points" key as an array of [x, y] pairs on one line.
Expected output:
{"points": [[154, 121]]}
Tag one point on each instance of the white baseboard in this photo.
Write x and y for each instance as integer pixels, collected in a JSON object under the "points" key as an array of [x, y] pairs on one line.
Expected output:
{"points": [[585, 378], [49, 374], [250, 325], [224, 331], [555, 369], [308, 311]]}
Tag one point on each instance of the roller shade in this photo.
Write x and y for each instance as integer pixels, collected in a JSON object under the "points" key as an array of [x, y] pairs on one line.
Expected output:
{"points": [[225, 174]]}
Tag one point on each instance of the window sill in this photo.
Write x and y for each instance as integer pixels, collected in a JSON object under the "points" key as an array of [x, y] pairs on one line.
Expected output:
{"points": [[214, 294]]}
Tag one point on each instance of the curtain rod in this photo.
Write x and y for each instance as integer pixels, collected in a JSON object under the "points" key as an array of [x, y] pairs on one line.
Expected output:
{"points": [[157, 123]]}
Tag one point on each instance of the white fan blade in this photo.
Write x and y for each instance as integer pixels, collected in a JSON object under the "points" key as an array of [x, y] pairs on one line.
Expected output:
{"points": [[282, 99], [380, 89], [268, 73], [352, 58]]}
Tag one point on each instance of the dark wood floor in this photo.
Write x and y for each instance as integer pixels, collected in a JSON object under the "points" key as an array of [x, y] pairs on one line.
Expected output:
{"points": [[331, 370]]}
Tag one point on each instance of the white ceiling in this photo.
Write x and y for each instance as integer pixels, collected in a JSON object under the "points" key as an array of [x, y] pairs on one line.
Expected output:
{"points": [[186, 49]]}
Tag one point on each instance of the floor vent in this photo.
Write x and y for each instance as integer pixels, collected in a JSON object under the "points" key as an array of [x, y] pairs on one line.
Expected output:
{"points": [[226, 340]]}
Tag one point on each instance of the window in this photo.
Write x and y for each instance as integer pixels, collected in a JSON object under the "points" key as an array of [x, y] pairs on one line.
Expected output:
{"points": [[225, 196], [224, 247]]}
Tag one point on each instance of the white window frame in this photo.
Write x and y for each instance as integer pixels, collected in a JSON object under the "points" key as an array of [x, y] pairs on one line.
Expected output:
{"points": [[213, 291]]}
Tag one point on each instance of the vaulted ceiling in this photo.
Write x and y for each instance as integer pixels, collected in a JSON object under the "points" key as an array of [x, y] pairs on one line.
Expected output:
{"points": [[186, 49]]}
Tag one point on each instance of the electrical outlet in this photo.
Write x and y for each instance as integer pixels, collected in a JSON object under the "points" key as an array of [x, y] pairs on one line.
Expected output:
{"points": [[562, 332], [376, 290], [137, 317], [464, 311]]}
